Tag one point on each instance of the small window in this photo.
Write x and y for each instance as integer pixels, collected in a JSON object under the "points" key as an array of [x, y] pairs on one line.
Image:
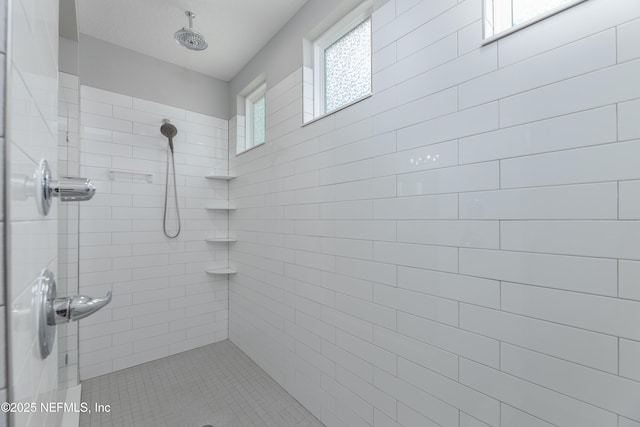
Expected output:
{"points": [[347, 68], [255, 118], [503, 17], [341, 66]]}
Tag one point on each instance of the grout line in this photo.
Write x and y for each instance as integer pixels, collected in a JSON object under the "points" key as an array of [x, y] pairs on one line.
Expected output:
{"points": [[619, 354], [618, 278], [617, 106], [618, 199], [615, 46]]}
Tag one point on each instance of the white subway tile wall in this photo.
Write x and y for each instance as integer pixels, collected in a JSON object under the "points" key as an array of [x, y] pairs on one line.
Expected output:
{"points": [[457, 250], [163, 301], [32, 135]]}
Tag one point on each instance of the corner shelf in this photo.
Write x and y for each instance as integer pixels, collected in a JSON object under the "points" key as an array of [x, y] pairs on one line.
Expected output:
{"points": [[220, 271], [221, 177], [218, 207]]}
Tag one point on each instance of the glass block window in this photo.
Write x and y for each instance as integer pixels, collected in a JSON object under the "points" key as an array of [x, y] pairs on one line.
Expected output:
{"points": [[347, 68], [501, 16]]}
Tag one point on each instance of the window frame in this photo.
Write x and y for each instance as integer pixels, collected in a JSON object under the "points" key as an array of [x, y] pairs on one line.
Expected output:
{"points": [[246, 100], [334, 33], [489, 6], [250, 102]]}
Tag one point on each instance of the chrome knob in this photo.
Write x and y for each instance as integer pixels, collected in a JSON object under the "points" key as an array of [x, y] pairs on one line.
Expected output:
{"points": [[68, 189], [71, 189]]}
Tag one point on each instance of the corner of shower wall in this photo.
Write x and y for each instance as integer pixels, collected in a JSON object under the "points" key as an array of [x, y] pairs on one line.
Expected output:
{"points": [[266, 212]]}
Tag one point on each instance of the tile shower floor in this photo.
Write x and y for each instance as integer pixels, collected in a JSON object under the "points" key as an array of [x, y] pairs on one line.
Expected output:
{"points": [[217, 385]]}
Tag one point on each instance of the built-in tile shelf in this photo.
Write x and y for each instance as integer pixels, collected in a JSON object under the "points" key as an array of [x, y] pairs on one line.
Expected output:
{"points": [[221, 271], [219, 240], [220, 208], [221, 177]]}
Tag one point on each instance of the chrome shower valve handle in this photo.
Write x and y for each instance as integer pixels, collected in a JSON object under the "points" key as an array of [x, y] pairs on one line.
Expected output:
{"points": [[64, 310], [52, 311]]}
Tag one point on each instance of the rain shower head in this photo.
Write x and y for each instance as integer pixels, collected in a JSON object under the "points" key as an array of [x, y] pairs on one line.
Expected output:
{"points": [[190, 38]]}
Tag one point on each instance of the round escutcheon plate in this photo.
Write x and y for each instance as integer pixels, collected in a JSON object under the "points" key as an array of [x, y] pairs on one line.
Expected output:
{"points": [[45, 295]]}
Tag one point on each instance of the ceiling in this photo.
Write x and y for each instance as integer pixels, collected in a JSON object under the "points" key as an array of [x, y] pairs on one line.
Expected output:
{"points": [[235, 29]]}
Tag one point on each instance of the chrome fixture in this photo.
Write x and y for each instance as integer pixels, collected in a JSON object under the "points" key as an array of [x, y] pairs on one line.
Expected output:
{"points": [[169, 131], [52, 311], [44, 295], [72, 189], [190, 38], [75, 308], [68, 189]]}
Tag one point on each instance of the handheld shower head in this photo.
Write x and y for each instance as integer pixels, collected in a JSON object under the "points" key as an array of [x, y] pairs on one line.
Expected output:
{"points": [[190, 38], [169, 131]]}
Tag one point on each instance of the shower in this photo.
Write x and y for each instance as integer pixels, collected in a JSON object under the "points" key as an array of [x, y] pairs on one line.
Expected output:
{"points": [[190, 38], [169, 131]]}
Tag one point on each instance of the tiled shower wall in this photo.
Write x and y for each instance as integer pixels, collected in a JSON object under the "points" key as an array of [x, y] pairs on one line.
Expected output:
{"points": [[460, 249], [32, 131], [67, 279], [163, 301]]}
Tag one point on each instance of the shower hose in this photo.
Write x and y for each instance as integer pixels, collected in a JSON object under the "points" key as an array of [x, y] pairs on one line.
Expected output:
{"points": [[166, 196]]}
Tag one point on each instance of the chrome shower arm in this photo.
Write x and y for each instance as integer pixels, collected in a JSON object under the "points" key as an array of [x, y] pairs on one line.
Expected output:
{"points": [[191, 15]]}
